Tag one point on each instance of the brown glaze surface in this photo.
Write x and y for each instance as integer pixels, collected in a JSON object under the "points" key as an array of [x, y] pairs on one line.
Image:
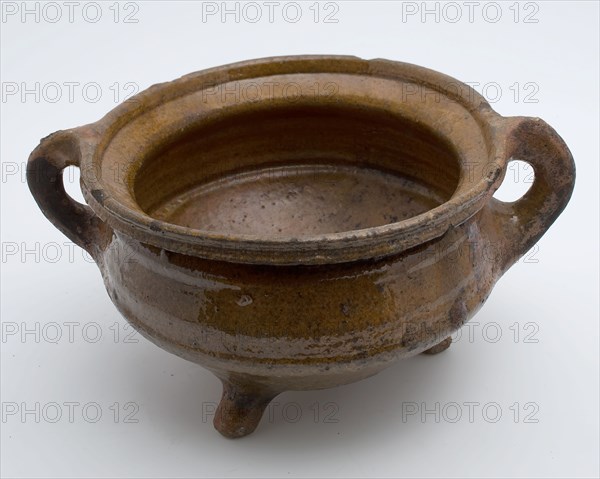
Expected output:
{"points": [[301, 241], [298, 200]]}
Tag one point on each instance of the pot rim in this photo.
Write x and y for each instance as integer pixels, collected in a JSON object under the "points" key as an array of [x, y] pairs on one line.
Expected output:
{"points": [[347, 246]]}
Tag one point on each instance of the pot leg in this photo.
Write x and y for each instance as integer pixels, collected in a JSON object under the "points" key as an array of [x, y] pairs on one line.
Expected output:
{"points": [[240, 409], [438, 348]]}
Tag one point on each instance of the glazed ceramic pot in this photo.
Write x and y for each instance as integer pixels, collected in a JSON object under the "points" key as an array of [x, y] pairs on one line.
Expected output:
{"points": [[303, 222]]}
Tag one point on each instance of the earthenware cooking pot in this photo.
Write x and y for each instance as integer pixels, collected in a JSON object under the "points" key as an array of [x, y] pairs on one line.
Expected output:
{"points": [[301, 222]]}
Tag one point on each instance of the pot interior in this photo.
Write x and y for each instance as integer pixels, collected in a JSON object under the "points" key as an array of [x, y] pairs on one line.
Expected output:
{"points": [[297, 170]]}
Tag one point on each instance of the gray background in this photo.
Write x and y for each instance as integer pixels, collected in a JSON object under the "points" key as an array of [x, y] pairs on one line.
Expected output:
{"points": [[530, 355]]}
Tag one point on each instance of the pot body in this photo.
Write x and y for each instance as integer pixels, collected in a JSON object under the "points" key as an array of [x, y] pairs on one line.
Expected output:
{"points": [[303, 327]]}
